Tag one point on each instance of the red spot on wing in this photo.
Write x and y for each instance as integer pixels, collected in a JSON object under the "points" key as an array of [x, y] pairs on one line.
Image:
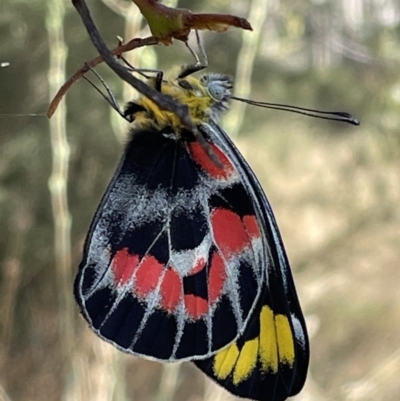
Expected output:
{"points": [[252, 226], [123, 265], [229, 232], [195, 306], [216, 277], [171, 290], [200, 264], [148, 275], [209, 166]]}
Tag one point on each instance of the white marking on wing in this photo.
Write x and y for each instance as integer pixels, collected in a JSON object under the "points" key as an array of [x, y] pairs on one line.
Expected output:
{"points": [[184, 261]]}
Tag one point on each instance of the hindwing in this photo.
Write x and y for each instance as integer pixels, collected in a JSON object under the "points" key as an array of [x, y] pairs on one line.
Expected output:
{"points": [[269, 360]]}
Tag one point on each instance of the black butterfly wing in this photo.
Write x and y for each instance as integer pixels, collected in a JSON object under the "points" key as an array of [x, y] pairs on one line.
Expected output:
{"points": [[173, 263], [269, 361]]}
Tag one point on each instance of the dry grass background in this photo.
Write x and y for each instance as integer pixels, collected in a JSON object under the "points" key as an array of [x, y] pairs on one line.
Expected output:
{"points": [[335, 191]]}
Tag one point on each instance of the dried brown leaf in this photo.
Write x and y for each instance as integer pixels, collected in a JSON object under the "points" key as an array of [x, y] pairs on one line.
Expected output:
{"points": [[168, 23]]}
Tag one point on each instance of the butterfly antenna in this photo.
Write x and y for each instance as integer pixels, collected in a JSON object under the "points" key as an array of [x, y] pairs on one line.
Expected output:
{"points": [[324, 115]]}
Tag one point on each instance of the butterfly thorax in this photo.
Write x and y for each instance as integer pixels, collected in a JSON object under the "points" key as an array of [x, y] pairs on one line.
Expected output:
{"points": [[206, 98]]}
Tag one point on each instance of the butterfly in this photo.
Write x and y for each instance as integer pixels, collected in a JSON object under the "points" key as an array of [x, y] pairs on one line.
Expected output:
{"points": [[184, 260]]}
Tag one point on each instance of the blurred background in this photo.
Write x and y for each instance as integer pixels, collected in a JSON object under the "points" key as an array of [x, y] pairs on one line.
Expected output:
{"points": [[335, 188]]}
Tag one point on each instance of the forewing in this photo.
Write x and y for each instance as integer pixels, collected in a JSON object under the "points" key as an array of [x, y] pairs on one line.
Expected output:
{"points": [[171, 244], [269, 361]]}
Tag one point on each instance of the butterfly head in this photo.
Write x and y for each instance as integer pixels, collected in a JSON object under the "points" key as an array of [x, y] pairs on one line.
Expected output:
{"points": [[207, 98]]}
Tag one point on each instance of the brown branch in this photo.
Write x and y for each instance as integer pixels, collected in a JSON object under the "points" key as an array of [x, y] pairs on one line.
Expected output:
{"points": [[118, 51], [165, 102]]}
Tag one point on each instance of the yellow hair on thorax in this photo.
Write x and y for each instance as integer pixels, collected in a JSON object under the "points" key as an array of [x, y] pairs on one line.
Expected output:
{"points": [[197, 99]]}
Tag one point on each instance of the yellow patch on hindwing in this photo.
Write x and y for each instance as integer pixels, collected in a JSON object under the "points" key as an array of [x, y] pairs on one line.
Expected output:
{"points": [[225, 360], [268, 342], [246, 361], [285, 340], [273, 347]]}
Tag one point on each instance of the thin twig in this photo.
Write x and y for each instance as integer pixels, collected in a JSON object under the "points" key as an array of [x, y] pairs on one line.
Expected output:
{"points": [[118, 51], [58, 183], [165, 102], [169, 382], [245, 64]]}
